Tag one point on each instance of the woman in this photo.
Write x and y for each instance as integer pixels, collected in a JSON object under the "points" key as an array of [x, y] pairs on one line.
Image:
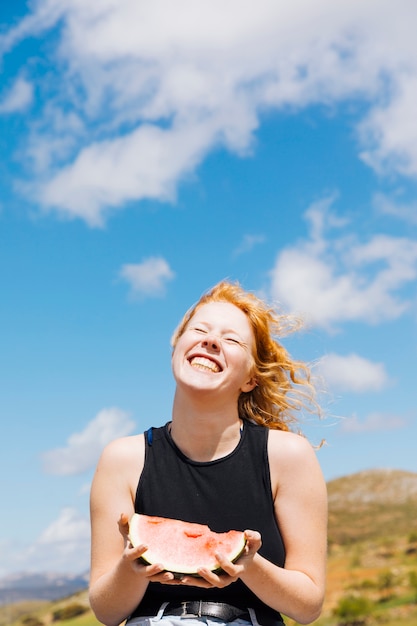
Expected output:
{"points": [[227, 459]]}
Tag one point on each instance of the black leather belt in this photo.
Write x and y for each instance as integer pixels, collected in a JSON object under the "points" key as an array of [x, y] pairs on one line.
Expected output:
{"points": [[199, 608]]}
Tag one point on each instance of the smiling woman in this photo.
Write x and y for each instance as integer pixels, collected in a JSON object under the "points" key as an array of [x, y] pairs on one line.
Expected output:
{"points": [[226, 459], [277, 373], [214, 351]]}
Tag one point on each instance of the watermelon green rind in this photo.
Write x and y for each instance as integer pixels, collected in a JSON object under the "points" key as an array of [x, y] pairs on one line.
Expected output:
{"points": [[183, 547]]}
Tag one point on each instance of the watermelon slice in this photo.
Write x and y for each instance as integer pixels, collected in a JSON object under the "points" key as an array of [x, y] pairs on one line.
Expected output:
{"points": [[183, 547]]}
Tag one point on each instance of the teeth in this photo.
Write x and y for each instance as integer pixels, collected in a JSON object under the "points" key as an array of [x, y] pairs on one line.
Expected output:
{"points": [[204, 364]]}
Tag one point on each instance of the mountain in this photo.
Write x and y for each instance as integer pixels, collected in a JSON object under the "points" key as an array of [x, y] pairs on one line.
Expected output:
{"points": [[49, 586], [371, 504]]}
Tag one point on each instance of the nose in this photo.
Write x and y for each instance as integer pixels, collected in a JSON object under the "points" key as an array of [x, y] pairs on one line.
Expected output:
{"points": [[211, 342]]}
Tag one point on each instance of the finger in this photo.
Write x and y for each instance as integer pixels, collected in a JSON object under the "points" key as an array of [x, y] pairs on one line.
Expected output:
{"points": [[137, 551], [253, 541], [153, 572], [123, 520], [227, 566], [123, 523], [168, 578], [252, 535], [217, 580]]}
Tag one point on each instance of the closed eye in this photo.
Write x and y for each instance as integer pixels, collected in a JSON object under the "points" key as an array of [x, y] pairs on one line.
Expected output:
{"points": [[232, 340]]}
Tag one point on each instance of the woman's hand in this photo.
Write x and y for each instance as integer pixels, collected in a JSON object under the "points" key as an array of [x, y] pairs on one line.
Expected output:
{"points": [[230, 571], [132, 554]]}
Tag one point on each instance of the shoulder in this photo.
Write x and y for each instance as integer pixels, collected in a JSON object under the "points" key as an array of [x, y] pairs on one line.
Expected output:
{"points": [[122, 451], [118, 469], [288, 445], [292, 458], [284, 446]]}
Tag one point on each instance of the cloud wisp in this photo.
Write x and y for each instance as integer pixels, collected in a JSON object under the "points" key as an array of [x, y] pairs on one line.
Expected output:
{"points": [[352, 373], [83, 449], [248, 243], [395, 207], [374, 422], [18, 99], [339, 279], [152, 87], [149, 278], [63, 547]]}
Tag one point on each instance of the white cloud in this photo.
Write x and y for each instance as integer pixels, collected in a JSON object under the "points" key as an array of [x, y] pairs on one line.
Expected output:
{"points": [[18, 98], [148, 278], [248, 243], [352, 373], [70, 527], [147, 163], [163, 83], [375, 422], [392, 144], [83, 449], [64, 546], [394, 207], [339, 279]]}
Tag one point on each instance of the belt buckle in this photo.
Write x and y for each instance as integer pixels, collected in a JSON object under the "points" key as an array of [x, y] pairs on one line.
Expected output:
{"points": [[186, 615]]}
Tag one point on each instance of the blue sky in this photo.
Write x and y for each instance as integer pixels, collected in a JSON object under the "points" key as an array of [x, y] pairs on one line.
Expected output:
{"points": [[150, 149]]}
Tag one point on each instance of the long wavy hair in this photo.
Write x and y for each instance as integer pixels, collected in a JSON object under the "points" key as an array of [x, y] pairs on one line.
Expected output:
{"points": [[283, 384]]}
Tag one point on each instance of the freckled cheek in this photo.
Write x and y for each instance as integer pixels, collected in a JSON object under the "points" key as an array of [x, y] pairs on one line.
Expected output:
{"points": [[175, 361], [178, 359]]}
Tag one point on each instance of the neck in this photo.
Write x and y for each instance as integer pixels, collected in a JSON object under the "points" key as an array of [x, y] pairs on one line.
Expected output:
{"points": [[204, 432]]}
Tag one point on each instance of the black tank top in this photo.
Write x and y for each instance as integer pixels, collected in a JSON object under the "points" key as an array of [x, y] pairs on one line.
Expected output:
{"points": [[230, 493]]}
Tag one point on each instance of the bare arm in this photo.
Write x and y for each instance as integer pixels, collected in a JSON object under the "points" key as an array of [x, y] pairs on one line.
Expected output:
{"points": [[300, 497], [117, 581], [297, 590]]}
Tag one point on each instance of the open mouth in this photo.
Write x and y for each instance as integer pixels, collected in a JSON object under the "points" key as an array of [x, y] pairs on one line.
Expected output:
{"points": [[204, 364]]}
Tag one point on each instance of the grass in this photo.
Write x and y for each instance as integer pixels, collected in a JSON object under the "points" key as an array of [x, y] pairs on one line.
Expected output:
{"points": [[378, 570]]}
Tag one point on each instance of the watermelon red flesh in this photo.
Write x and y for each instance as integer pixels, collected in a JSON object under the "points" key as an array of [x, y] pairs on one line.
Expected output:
{"points": [[183, 547]]}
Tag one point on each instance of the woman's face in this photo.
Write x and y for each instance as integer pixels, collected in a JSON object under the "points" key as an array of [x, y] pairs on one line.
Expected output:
{"points": [[215, 351]]}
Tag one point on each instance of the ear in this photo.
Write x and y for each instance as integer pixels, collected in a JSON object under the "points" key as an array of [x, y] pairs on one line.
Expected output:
{"points": [[249, 385]]}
